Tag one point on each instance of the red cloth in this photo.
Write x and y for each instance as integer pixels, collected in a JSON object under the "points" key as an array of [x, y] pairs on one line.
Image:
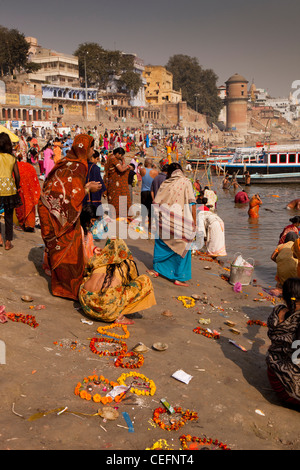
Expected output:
{"points": [[30, 191], [59, 210], [241, 198]]}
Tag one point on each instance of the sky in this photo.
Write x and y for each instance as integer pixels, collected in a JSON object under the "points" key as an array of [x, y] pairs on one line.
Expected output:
{"points": [[259, 39]]}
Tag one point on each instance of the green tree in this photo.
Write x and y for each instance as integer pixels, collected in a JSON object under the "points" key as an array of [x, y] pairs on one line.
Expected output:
{"points": [[14, 50], [101, 65], [198, 85]]}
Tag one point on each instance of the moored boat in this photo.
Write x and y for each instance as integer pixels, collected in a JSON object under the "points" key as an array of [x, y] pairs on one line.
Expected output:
{"points": [[278, 164]]}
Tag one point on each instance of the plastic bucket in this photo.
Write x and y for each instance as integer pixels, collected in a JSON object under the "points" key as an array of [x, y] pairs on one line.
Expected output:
{"points": [[242, 274]]}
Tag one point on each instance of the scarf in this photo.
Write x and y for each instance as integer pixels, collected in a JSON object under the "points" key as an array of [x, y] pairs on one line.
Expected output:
{"points": [[172, 212]]}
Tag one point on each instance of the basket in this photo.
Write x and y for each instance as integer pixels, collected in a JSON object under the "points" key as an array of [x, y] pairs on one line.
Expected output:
{"points": [[242, 274]]}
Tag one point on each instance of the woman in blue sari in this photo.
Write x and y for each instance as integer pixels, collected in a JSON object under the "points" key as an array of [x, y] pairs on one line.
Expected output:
{"points": [[94, 174], [175, 214]]}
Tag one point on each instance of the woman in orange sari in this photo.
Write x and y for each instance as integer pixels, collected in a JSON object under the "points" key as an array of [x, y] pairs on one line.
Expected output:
{"points": [[29, 191], [60, 206], [254, 204]]}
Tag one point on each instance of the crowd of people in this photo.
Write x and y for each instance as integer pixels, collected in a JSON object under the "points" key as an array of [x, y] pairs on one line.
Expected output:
{"points": [[67, 202]]}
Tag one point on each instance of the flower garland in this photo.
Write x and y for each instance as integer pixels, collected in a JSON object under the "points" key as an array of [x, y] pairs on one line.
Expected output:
{"points": [[106, 352], [151, 387], [185, 299], [20, 317], [104, 330], [131, 364], [184, 439], [96, 397], [174, 426], [207, 333], [256, 322]]}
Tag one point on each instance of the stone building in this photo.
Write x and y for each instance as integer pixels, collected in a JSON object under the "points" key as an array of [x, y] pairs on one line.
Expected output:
{"points": [[159, 86], [236, 103]]}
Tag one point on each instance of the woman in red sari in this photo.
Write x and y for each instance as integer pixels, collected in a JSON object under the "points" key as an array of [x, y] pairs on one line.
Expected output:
{"points": [[293, 227], [116, 182], [29, 191], [60, 205]]}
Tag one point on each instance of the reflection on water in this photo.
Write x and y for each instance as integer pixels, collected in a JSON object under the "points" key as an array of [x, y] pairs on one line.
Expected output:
{"points": [[256, 238]]}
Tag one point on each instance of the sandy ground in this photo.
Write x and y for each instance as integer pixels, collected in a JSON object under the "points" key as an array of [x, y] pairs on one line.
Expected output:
{"points": [[227, 388]]}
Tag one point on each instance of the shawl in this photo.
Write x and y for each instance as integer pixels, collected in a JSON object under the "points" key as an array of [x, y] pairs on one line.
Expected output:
{"points": [[281, 353], [296, 253], [287, 229], [30, 190], [59, 207], [172, 212]]}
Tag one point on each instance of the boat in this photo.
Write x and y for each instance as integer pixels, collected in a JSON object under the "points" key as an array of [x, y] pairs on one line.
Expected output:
{"points": [[219, 155], [277, 164]]}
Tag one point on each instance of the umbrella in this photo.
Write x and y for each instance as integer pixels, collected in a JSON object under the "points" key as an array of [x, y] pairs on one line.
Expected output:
{"points": [[13, 137]]}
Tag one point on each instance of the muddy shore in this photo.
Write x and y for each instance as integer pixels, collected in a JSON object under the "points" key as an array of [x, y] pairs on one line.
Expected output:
{"points": [[229, 388]]}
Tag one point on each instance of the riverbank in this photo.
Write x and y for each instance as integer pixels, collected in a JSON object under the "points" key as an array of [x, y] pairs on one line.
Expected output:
{"points": [[229, 389]]}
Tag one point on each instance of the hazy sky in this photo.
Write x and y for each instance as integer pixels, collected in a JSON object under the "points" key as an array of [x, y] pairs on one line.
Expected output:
{"points": [[259, 39]]}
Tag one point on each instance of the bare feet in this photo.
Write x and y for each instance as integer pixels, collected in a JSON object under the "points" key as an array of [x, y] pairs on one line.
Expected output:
{"points": [[8, 245], [179, 283], [1, 241], [152, 273]]}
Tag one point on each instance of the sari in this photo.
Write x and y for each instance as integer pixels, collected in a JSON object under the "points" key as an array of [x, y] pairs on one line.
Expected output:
{"points": [[280, 353], [59, 208], [254, 204], [175, 226], [130, 293], [117, 187], [29, 191], [286, 230]]}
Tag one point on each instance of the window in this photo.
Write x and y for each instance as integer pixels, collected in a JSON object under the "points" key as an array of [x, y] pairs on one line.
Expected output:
{"points": [[298, 157], [292, 158], [273, 158], [282, 158]]}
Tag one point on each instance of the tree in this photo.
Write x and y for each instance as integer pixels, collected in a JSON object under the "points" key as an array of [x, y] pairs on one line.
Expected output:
{"points": [[14, 52], [100, 66], [198, 85]]}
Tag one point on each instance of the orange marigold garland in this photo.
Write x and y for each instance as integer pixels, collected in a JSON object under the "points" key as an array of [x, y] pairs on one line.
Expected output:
{"points": [[20, 317], [175, 424], [121, 347], [105, 330], [256, 322], [206, 332], [89, 389], [184, 439], [135, 360]]}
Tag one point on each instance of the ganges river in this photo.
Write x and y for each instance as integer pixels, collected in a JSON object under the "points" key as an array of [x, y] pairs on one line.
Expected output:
{"points": [[255, 238]]}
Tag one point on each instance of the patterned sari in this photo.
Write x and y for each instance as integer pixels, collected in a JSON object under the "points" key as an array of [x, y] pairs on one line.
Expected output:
{"points": [[131, 293], [283, 372], [60, 205]]}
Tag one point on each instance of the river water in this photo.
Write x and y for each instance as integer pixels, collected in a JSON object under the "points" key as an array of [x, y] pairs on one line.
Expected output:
{"points": [[255, 238]]}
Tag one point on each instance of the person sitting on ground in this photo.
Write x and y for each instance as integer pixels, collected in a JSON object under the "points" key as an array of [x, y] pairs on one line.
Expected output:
{"points": [[284, 332], [87, 219], [293, 227], [112, 287], [286, 256]]}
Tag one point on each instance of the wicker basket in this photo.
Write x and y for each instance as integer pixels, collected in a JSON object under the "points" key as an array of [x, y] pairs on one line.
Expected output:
{"points": [[242, 274]]}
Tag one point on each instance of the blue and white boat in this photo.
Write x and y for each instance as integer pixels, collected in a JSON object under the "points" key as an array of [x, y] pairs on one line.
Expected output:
{"points": [[277, 164]]}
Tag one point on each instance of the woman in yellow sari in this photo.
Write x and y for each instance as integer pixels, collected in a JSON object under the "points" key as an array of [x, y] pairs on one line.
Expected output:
{"points": [[287, 258], [112, 287]]}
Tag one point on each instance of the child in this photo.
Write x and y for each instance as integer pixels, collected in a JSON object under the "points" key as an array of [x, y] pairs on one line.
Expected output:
{"points": [[87, 220], [283, 357]]}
